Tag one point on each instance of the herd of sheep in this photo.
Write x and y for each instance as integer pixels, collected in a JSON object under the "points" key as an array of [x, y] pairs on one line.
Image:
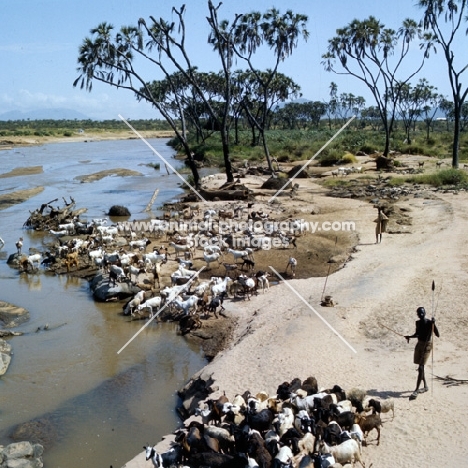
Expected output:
{"points": [[301, 426]]}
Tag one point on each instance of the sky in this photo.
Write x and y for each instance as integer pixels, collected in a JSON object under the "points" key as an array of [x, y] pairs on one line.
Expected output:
{"points": [[40, 39]]}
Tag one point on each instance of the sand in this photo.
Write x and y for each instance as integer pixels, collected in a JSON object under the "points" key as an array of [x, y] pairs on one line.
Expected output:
{"points": [[279, 337]]}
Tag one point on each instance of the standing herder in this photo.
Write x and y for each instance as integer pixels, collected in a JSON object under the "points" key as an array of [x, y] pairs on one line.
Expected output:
{"points": [[381, 225], [422, 350]]}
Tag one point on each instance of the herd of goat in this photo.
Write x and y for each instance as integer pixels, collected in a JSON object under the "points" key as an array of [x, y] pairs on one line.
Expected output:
{"points": [[123, 256], [298, 427]]}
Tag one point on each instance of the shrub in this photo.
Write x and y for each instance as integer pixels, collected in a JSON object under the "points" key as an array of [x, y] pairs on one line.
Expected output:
{"points": [[349, 158], [331, 156]]}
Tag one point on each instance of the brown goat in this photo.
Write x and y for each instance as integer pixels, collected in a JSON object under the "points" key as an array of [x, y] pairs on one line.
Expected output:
{"points": [[368, 422]]}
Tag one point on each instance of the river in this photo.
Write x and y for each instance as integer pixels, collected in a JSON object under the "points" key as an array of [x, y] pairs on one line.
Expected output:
{"points": [[97, 407]]}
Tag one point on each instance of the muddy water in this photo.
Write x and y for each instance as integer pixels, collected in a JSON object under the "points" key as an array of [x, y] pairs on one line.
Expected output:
{"points": [[97, 408]]}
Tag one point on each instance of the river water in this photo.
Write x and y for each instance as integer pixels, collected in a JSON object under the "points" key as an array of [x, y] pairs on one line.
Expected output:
{"points": [[97, 407]]}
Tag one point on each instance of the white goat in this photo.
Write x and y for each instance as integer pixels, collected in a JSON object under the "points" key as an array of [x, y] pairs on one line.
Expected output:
{"points": [[262, 281], [209, 258], [154, 257], [150, 304], [35, 260], [181, 248], [98, 253], [238, 254], [221, 287], [186, 305]]}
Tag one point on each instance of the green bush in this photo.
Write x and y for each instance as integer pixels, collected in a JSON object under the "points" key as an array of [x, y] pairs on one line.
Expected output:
{"points": [[330, 156]]}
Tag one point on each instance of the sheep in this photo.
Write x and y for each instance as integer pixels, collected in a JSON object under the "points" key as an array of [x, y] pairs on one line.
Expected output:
{"points": [[292, 264], [149, 304], [421, 164], [224, 437], [284, 421], [209, 258], [348, 451], [257, 449], [167, 459], [238, 254], [382, 406], [284, 458], [303, 422], [439, 164], [216, 460], [217, 408], [369, 422]]}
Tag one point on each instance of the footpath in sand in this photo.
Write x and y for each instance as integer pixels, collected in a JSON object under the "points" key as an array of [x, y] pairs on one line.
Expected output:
{"points": [[279, 338]]}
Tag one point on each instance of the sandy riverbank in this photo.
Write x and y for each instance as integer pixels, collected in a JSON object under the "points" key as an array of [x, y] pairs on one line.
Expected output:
{"points": [[10, 142], [279, 338]]}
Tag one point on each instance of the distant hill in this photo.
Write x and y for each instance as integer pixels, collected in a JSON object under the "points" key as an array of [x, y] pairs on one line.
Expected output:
{"points": [[44, 114]]}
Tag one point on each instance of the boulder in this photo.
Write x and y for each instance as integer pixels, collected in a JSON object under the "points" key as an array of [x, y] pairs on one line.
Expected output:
{"points": [[104, 292], [11, 315], [21, 455], [5, 356]]}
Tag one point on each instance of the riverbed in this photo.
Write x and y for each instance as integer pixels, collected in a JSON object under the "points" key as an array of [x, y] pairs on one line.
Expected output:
{"points": [[95, 407]]}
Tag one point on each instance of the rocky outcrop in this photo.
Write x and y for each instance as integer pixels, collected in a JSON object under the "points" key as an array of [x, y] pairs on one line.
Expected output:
{"points": [[5, 356], [21, 455], [11, 315], [104, 291]]}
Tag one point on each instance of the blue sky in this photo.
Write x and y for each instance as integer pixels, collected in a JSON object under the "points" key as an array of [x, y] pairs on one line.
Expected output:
{"points": [[39, 41]]}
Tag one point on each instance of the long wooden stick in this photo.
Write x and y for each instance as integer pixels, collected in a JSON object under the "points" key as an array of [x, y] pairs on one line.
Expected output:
{"points": [[328, 274], [432, 351], [396, 333]]}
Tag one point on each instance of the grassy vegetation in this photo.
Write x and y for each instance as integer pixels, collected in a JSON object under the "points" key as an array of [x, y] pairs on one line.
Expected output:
{"points": [[68, 128], [284, 145], [442, 178]]}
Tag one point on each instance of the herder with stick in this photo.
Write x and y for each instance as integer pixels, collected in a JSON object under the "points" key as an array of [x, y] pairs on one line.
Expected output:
{"points": [[381, 225], [422, 350]]}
